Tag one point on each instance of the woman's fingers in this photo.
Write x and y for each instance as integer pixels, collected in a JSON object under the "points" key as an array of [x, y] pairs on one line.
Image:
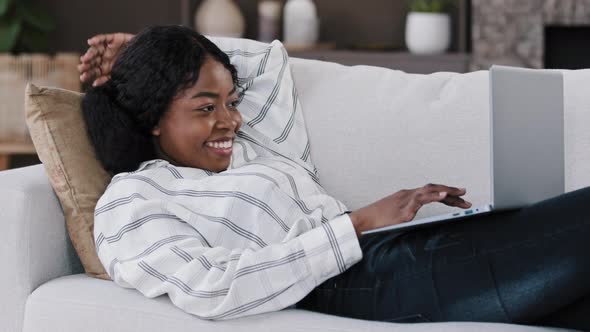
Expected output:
{"points": [[456, 201], [432, 197], [101, 80], [98, 39], [420, 199], [89, 55], [84, 77], [83, 67], [87, 68], [86, 65], [443, 197], [451, 195], [98, 60], [417, 200], [91, 74], [91, 69], [452, 191], [93, 52]]}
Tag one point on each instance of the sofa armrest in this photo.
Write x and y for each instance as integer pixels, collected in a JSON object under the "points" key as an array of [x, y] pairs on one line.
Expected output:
{"points": [[35, 247]]}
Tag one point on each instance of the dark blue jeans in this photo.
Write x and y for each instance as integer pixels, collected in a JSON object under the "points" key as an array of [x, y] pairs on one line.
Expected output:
{"points": [[527, 266]]}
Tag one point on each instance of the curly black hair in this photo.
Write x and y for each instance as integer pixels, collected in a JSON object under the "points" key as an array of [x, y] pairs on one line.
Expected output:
{"points": [[158, 63]]}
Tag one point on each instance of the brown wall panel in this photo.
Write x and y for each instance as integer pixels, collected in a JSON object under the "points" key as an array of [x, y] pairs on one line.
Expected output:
{"points": [[347, 23], [79, 19]]}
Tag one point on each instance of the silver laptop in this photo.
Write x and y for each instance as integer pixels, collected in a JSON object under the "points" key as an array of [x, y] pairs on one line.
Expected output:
{"points": [[527, 143]]}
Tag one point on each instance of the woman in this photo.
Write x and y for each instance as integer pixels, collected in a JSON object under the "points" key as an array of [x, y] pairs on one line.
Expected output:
{"points": [[206, 208]]}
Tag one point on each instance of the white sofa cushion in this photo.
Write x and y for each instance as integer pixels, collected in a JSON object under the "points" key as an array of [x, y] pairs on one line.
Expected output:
{"points": [[77, 302]]}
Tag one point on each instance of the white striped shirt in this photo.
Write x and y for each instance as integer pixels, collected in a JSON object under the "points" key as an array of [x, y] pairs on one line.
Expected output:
{"points": [[255, 238]]}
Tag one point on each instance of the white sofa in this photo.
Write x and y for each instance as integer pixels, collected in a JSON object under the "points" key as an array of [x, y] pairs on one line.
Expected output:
{"points": [[373, 132]]}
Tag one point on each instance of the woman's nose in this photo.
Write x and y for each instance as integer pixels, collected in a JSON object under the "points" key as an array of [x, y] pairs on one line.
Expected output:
{"points": [[225, 119]]}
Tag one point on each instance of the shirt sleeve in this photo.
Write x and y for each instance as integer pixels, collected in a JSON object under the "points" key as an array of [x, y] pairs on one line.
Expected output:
{"points": [[157, 253], [270, 106]]}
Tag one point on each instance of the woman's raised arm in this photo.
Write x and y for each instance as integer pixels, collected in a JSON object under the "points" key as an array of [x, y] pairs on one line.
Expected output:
{"points": [[103, 50]]}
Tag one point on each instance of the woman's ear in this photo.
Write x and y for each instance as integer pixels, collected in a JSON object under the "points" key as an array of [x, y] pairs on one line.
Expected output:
{"points": [[156, 131]]}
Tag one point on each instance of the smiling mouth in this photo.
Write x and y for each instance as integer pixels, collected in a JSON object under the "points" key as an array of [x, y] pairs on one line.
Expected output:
{"points": [[223, 148], [220, 145]]}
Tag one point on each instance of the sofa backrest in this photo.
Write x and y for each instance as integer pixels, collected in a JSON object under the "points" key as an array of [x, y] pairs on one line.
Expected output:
{"points": [[375, 131]]}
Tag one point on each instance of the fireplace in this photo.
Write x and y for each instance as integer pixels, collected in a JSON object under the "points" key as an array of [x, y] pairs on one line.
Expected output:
{"points": [[531, 33], [567, 47]]}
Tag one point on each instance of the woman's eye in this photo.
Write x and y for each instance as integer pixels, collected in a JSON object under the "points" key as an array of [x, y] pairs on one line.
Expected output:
{"points": [[207, 109], [234, 103]]}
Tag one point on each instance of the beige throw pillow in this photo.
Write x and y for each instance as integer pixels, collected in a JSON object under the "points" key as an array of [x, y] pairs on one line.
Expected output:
{"points": [[54, 118]]}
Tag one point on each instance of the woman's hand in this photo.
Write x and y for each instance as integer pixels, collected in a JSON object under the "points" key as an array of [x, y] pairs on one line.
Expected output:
{"points": [[97, 62], [403, 206]]}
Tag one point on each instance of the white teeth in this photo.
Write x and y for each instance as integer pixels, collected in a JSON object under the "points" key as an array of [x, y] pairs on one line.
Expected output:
{"points": [[220, 145]]}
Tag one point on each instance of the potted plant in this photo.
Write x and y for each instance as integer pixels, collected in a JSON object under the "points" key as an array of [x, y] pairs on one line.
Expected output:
{"points": [[428, 27], [24, 28]]}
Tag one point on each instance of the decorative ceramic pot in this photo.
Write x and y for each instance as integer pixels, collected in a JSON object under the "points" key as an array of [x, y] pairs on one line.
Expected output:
{"points": [[221, 18], [301, 23], [269, 18], [428, 33]]}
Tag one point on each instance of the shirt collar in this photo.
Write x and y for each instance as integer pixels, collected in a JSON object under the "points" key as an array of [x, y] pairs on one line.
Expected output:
{"points": [[152, 164]]}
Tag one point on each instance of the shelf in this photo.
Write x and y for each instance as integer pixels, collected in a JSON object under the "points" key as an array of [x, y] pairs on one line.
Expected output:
{"points": [[405, 61], [17, 147], [10, 148]]}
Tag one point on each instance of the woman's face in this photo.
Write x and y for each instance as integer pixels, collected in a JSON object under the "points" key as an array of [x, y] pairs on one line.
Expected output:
{"points": [[199, 128]]}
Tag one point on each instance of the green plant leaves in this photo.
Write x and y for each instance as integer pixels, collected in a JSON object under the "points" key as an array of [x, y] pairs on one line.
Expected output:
{"points": [[33, 40], [4, 5], [9, 33], [37, 17], [24, 26], [429, 6]]}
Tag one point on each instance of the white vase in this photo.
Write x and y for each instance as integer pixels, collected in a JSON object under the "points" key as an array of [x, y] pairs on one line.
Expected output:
{"points": [[428, 33], [301, 23], [269, 19], [221, 18]]}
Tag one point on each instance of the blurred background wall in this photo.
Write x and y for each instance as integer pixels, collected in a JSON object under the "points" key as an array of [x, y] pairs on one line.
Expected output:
{"points": [[79, 20], [347, 23]]}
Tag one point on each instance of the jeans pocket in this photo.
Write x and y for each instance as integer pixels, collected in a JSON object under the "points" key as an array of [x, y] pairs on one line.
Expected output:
{"points": [[416, 318]]}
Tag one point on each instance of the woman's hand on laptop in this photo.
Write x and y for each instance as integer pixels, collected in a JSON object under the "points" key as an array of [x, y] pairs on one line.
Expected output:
{"points": [[103, 50], [403, 206]]}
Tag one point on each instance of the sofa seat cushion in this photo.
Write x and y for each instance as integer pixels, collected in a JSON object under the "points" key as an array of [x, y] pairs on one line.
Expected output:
{"points": [[81, 303]]}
